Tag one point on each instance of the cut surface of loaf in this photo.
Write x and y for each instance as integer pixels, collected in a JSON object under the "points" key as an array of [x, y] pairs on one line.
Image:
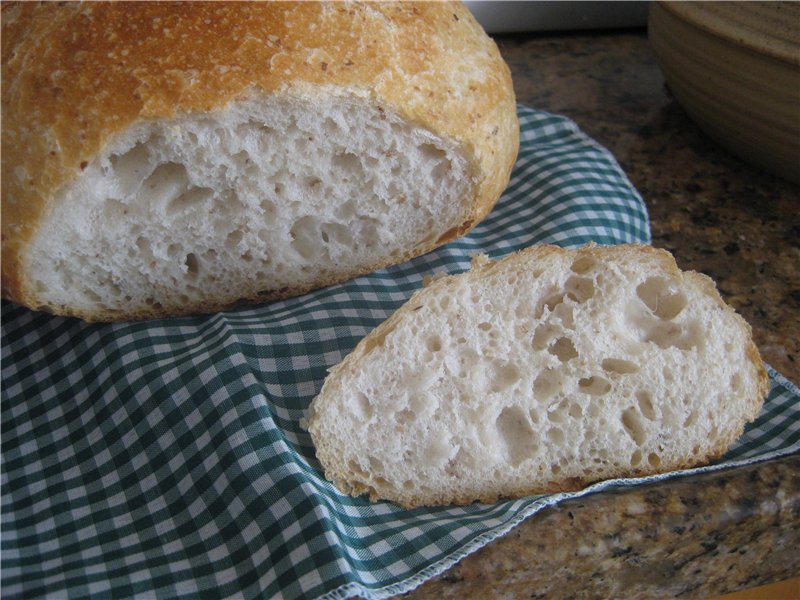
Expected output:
{"points": [[542, 372], [181, 158], [269, 195]]}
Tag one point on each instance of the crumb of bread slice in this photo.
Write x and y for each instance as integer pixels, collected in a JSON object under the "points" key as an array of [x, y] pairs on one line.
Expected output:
{"points": [[542, 372]]}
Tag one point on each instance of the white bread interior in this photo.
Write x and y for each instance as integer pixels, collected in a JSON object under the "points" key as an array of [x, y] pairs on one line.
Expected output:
{"points": [[272, 192], [162, 158], [543, 372]]}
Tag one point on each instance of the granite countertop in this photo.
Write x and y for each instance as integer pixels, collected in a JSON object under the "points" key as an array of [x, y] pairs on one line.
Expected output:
{"points": [[693, 536]]}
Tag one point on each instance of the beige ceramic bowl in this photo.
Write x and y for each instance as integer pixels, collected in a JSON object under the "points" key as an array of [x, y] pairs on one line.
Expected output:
{"points": [[735, 69]]}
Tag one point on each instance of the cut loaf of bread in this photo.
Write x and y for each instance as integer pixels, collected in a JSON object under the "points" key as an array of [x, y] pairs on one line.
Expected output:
{"points": [[542, 372], [166, 158]]}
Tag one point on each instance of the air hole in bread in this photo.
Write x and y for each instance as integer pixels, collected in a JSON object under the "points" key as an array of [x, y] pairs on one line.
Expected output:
{"points": [[439, 451], [546, 384], [503, 376], [192, 265], [583, 264], [432, 153], [555, 435], [594, 386], [166, 183], [575, 411], [363, 406], [419, 402], [452, 466], [579, 289], [558, 413], [654, 460], [336, 233], [92, 295], [493, 340], [636, 458], [619, 366], [305, 236], [542, 336], [143, 244], [550, 303], [666, 334], [190, 199], [661, 298], [463, 460], [375, 466], [115, 209], [233, 239], [691, 419], [633, 426], [329, 126], [485, 326], [434, 343], [517, 435], [564, 349], [356, 468], [369, 232], [645, 403], [268, 206], [241, 159], [565, 313], [131, 167], [736, 382]]}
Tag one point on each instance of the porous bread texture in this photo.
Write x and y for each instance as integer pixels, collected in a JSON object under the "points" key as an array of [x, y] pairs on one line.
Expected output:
{"points": [[273, 194], [542, 372], [172, 158]]}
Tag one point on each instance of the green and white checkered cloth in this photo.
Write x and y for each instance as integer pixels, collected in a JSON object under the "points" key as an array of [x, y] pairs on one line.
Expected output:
{"points": [[165, 458]]}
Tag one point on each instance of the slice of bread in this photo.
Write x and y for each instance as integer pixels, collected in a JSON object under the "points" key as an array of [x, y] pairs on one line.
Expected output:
{"points": [[542, 372], [163, 158]]}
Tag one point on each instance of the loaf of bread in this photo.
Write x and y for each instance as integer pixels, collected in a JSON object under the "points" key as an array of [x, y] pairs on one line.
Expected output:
{"points": [[165, 158], [542, 372]]}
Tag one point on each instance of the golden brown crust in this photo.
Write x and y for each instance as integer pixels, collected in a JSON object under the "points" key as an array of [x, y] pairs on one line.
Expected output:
{"points": [[76, 75]]}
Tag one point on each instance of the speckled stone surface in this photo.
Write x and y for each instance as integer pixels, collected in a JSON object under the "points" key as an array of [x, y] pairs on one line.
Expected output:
{"points": [[692, 536]]}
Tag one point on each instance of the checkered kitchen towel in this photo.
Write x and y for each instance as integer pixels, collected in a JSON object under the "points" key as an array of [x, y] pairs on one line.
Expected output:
{"points": [[166, 459]]}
